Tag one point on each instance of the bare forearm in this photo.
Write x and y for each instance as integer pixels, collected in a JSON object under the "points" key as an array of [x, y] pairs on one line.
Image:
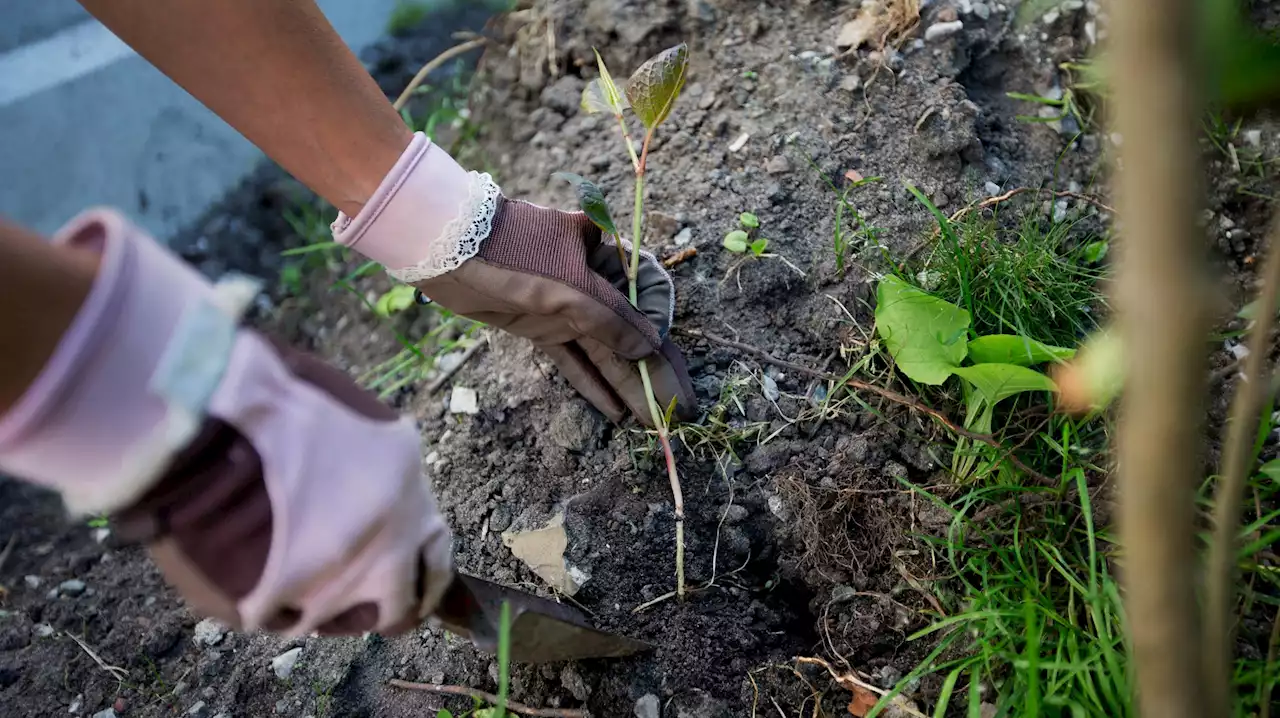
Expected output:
{"points": [[277, 72], [44, 287]]}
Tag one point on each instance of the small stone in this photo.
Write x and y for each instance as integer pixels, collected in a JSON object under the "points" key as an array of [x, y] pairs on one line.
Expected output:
{"points": [[52, 595], [982, 10], [32, 581], [101, 534], [736, 514], [939, 30], [464, 401], [769, 388], [1091, 31], [739, 143], [196, 709], [284, 663], [209, 633], [1253, 138], [707, 100], [500, 519], [850, 82], [44, 630], [74, 708], [778, 165], [575, 427], [992, 189], [778, 507], [73, 587], [1060, 210], [282, 706], [648, 707], [1051, 17], [895, 470], [1073, 6], [684, 236], [108, 713], [1239, 351], [842, 592], [574, 683], [947, 14]]}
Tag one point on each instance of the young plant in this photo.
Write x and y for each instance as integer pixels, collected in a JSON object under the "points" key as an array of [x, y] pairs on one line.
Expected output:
{"points": [[739, 240], [929, 340], [650, 94]]}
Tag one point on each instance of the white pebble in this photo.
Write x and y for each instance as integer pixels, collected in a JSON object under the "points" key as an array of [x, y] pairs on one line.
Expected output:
{"points": [[1239, 351], [739, 143], [32, 581], [44, 630], [1253, 138], [209, 633], [992, 189], [284, 663], [684, 236], [464, 401], [939, 30], [1051, 17]]}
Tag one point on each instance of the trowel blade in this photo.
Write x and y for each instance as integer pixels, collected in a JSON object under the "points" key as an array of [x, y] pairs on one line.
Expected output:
{"points": [[542, 631]]}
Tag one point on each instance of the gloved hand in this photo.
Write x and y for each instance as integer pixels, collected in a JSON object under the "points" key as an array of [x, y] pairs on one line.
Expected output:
{"points": [[539, 273], [272, 492]]}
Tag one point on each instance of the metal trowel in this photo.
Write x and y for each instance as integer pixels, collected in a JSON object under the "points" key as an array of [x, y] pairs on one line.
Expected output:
{"points": [[542, 631]]}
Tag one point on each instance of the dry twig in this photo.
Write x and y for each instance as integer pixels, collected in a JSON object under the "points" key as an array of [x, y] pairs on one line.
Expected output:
{"points": [[1161, 298], [489, 698], [439, 382], [1229, 495], [850, 682], [116, 672], [889, 394], [433, 65]]}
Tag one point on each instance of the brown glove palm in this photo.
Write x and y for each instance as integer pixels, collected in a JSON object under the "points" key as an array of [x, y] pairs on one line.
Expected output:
{"points": [[551, 277]]}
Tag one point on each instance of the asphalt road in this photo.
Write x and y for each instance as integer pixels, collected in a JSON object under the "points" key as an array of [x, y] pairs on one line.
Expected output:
{"points": [[85, 121]]}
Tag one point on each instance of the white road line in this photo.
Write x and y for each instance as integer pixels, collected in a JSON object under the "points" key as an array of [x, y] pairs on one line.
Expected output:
{"points": [[71, 53]]}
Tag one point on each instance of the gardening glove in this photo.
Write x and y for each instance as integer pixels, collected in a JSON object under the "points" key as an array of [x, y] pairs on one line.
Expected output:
{"points": [[272, 492], [546, 275]]}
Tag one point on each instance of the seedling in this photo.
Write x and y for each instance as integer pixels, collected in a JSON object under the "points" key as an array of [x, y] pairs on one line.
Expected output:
{"points": [[739, 241], [650, 94]]}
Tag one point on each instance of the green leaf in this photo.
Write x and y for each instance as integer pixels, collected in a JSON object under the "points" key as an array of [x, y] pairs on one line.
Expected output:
{"points": [[736, 241], [924, 334], [654, 87], [1014, 349], [997, 382], [613, 99], [748, 220], [443, 713], [396, 299], [591, 201], [1271, 469], [1094, 252], [758, 246]]}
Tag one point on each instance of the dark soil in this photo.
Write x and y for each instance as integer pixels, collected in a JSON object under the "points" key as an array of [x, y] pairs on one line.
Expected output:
{"points": [[796, 523]]}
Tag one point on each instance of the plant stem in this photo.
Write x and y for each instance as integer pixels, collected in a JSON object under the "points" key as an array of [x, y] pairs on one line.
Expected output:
{"points": [[631, 147], [1227, 499], [655, 411]]}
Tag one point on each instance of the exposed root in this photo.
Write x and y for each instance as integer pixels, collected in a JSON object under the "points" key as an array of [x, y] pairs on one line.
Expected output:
{"points": [[116, 672], [512, 706], [434, 65]]}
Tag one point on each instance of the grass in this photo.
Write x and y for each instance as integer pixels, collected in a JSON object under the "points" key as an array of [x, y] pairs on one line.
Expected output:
{"points": [[1033, 280], [1032, 620]]}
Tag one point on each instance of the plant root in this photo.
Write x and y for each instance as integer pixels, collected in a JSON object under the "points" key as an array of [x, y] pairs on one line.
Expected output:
{"points": [[435, 64], [489, 698]]}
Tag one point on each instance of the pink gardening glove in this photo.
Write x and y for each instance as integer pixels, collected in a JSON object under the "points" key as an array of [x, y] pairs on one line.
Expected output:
{"points": [[272, 491]]}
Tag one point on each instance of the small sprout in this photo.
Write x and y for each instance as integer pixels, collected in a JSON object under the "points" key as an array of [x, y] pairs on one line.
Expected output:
{"points": [[591, 200], [750, 75], [396, 299], [736, 241], [654, 87], [748, 220], [758, 246]]}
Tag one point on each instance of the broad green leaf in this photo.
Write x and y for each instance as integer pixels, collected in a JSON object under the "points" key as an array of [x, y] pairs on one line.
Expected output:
{"points": [[748, 220], [758, 246], [443, 713], [1094, 252], [736, 241], [396, 299], [613, 98], [997, 382], [1014, 349], [1271, 469], [596, 98], [654, 87], [591, 201], [925, 335]]}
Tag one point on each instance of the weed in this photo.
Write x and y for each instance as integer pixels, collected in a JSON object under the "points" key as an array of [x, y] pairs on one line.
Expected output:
{"points": [[1035, 281]]}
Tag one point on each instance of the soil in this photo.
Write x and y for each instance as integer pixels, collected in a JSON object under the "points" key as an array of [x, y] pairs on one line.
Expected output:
{"points": [[796, 524]]}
